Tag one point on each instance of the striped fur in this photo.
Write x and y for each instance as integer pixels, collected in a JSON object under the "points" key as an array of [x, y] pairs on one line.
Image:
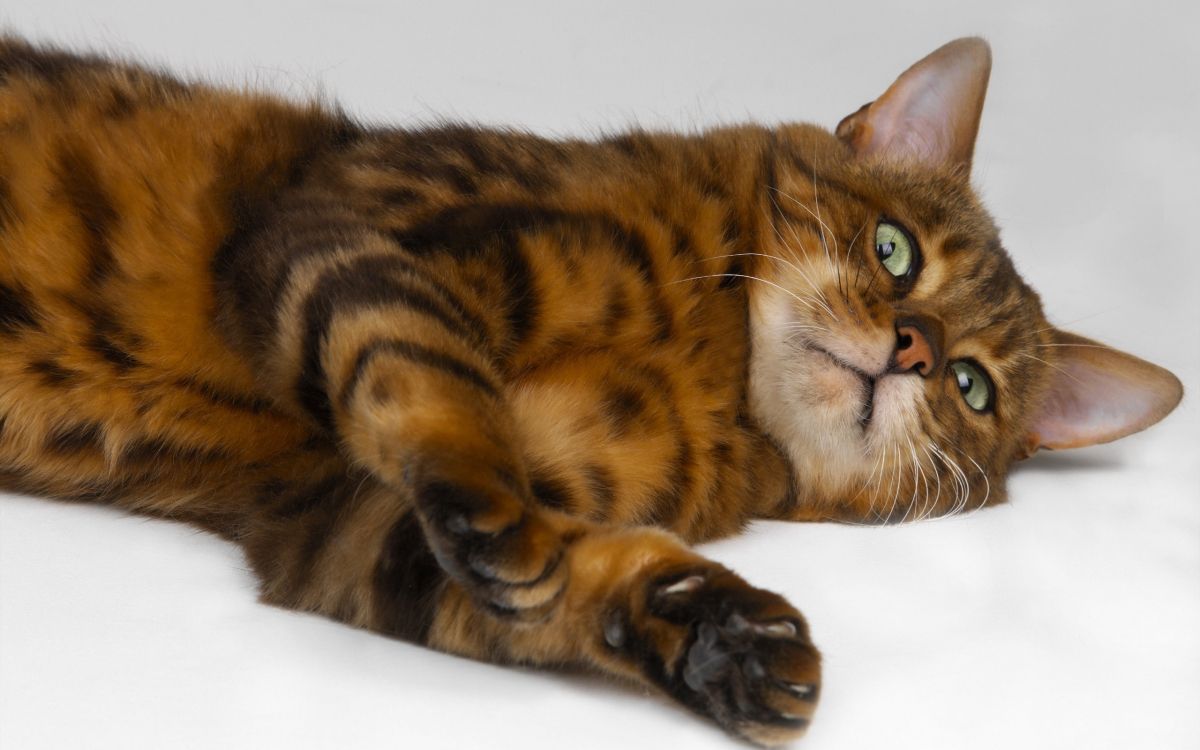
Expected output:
{"points": [[441, 382]]}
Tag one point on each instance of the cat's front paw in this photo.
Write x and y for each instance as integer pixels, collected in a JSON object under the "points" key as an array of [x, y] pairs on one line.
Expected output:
{"points": [[723, 648], [502, 551]]}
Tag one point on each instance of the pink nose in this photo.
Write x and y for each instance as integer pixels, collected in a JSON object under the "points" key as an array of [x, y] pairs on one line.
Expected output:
{"points": [[913, 351]]}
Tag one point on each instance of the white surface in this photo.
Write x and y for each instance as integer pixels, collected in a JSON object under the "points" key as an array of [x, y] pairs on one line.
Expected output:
{"points": [[1069, 619]]}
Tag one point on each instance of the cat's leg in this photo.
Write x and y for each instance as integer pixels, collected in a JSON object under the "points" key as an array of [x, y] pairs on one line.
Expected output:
{"points": [[640, 605], [635, 603], [395, 363], [436, 538]]}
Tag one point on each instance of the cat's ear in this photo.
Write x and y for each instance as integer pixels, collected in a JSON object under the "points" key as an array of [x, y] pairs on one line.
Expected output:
{"points": [[931, 113], [1098, 394]]}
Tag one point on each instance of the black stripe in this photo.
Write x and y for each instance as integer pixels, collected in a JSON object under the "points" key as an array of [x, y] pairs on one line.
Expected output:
{"points": [[76, 438], [81, 187], [20, 58], [219, 397], [665, 503], [120, 359], [808, 171], [364, 284], [416, 354], [16, 309], [494, 231], [397, 197], [408, 582], [463, 157], [158, 449], [264, 217], [52, 373]]}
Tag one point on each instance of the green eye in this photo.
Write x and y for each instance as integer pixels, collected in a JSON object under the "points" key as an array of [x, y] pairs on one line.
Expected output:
{"points": [[973, 384], [895, 249]]}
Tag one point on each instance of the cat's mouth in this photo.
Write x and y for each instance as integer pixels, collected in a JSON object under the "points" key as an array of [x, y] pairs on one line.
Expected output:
{"points": [[867, 410]]}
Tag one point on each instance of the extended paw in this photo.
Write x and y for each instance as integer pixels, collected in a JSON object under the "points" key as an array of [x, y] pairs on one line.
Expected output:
{"points": [[725, 649], [504, 552]]}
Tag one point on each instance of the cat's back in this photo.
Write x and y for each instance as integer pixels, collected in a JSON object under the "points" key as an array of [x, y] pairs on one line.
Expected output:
{"points": [[112, 169], [118, 186]]}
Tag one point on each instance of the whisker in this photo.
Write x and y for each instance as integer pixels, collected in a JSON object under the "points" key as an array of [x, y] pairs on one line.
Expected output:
{"points": [[744, 276], [781, 260], [850, 248], [920, 473], [1076, 320], [1052, 366], [936, 475], [987, 483], [784, 243], [820, 222], [896, 482]]}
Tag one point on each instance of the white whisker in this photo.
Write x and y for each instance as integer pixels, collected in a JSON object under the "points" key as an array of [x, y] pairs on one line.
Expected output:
{"points": [[1050, 365], [784, 244], [788, 292]]}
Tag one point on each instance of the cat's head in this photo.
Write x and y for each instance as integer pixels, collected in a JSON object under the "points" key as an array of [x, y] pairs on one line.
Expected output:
{"points": [[897, 356]]}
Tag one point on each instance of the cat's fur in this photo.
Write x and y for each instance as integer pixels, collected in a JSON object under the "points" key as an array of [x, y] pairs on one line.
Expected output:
{"points": [[442, 383]]}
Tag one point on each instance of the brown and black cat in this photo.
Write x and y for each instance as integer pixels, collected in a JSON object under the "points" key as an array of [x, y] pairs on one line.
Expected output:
{"points": [[480, 390]]}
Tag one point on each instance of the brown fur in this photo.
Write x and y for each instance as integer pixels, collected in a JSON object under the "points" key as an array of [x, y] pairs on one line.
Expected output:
{"points": [[436, 382]]}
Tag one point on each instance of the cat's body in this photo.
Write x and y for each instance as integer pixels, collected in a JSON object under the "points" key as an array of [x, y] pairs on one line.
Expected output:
{"points": [[435, 382]]}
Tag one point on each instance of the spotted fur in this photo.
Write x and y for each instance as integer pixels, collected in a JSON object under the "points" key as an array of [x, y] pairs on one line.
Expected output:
{"points": [[443, 382]]}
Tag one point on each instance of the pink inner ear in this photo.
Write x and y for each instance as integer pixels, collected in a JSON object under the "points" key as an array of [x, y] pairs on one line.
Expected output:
{"points": [[931, 113], [1096, 407], [1098, 394], [922, 120]]}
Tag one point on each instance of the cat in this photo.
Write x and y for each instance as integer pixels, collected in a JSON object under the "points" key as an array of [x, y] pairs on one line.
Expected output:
{"points": [[480, 390]]}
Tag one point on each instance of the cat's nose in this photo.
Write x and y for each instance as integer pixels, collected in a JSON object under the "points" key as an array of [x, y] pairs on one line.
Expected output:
{"points": [[917, 347]]}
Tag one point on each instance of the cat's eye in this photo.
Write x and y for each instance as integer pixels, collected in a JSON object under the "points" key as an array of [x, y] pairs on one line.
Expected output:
{"points": [[896, 250], [974, 385]]}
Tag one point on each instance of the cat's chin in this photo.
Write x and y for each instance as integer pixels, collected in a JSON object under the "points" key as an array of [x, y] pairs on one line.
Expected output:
{"points": [[833, 419]]}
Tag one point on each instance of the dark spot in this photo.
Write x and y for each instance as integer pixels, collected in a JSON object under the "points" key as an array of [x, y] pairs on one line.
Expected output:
{"points": [[16, 309], [551, 492], [722, 453], [623, 406], [121, 104], [732, 276]]}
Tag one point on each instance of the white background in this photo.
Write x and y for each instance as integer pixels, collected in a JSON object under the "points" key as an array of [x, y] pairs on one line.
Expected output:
{"points": [[1068, 619]]}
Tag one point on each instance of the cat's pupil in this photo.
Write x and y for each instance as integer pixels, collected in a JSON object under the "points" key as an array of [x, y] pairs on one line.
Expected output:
{"points": [[886, 249]]}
